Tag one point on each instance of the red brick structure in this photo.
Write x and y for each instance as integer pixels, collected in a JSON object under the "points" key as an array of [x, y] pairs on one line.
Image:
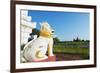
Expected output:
{"points": [[50, 58]]}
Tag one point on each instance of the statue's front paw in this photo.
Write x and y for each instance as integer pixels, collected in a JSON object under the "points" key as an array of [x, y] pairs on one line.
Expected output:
{"points": [[51, 55]]}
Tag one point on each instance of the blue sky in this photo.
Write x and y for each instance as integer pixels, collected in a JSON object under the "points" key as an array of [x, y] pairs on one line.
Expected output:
{"points": [[67, 25]]}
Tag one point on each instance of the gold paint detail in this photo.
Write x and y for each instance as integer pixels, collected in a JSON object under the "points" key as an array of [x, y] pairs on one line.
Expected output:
{"points": [[45, 34], [39, 54]]}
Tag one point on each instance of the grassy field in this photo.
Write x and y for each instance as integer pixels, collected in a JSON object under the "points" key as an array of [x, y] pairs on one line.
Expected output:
{"points": [[72, 50]]}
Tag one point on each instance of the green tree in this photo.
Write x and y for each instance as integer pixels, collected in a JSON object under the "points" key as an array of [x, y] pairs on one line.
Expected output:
{"points": [[35, 31], [56, 39], [22, 46]]}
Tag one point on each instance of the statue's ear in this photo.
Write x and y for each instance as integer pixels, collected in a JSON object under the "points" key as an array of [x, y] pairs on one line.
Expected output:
{"points": [[43, 26]]}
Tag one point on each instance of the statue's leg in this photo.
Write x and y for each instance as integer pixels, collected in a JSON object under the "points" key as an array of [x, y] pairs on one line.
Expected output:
{"points": [[50, 48]]}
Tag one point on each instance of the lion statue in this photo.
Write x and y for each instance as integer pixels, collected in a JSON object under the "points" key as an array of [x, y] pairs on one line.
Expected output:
{"points": [[42, 47]]}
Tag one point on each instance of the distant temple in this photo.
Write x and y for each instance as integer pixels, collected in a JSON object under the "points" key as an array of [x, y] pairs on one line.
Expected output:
{"points": [[26, 26]]}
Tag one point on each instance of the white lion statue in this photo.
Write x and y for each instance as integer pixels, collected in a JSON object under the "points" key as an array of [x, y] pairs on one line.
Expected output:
{"points": [[36, 50]]}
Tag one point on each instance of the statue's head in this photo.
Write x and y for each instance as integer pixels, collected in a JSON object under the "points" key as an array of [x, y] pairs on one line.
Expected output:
{"points": [[46, 30]]}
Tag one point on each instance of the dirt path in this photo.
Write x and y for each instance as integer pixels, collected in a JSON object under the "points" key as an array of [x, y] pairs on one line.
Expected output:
{"points": [[62, 57]]}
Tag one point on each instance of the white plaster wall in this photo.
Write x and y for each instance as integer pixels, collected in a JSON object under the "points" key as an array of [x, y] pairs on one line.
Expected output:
{"points": [[26, 26]]}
